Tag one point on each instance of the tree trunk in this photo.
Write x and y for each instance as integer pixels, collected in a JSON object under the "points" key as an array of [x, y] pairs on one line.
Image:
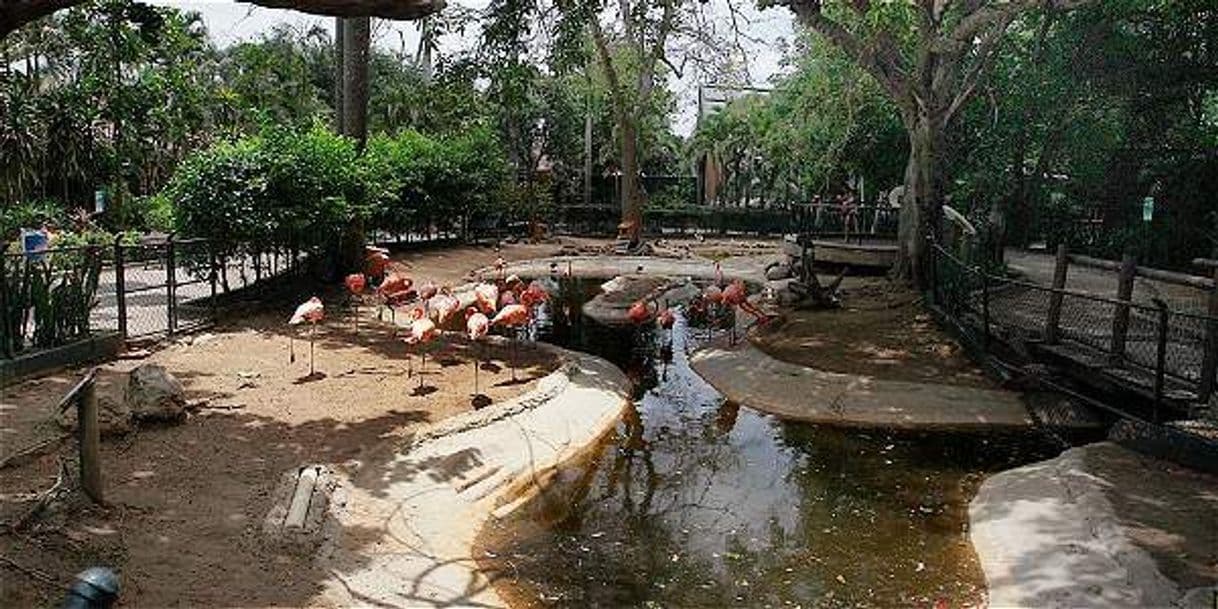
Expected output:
{"points": [[356, 35], [921, 210], [632, 200], [340, 58]]}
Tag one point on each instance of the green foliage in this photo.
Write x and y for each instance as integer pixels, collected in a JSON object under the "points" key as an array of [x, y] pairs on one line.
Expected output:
{"points": [[280, 188], [29, 214], [47, 298], [415, 180], [821, 125]]}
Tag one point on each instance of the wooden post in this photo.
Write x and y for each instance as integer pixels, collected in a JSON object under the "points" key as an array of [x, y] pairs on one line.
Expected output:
{"points": [[1053, 318], [90, 440], [1160, 355], [120, 286], [170, 287], [1209, 361], [1120, 318]]}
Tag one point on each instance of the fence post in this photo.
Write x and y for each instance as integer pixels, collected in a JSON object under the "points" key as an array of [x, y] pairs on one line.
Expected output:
{"points": [[90, 435], [170, 287], [8, 332], [1209, 362], [1120, 318], [1054, 315], [213, 276], [120, 286], [1160, 355]]}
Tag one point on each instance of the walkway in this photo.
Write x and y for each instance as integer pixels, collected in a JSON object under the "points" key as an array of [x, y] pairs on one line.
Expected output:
{"points": [[405, 538], [746, 375]]}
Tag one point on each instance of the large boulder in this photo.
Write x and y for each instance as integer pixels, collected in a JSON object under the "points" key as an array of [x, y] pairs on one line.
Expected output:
{"points": [[154, 394]]}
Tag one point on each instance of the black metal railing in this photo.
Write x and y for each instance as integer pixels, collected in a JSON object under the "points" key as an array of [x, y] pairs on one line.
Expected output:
{"points": [[849, 222], [1156, 347]]}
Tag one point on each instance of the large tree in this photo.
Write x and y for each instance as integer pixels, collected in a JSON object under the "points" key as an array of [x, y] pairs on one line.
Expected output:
{"points": [[928, 56]]}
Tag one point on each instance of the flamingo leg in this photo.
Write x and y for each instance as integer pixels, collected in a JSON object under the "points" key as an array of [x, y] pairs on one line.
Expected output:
{"points": [[312, 333], [422, 366], [291, 347], [515, 336]]}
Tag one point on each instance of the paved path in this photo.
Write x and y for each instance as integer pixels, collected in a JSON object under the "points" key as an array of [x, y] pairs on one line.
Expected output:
{"points": [[749, 376], [1065, 533], [409, 543]]}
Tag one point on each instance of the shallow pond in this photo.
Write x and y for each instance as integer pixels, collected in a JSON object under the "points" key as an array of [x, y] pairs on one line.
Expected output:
{"points": [[697, 502]]}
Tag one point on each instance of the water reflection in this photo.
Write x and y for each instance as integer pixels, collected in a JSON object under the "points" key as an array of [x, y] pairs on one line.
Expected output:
{"points": [[699, 502]]}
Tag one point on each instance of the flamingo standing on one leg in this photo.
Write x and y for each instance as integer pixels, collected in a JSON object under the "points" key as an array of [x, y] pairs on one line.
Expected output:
{"points": [[513, 316], [477, 325], [312, 311], [356, 282], [422, 331]]}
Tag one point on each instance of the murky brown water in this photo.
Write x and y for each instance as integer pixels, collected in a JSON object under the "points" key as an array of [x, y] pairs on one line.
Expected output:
{"points": [[696, 502]]}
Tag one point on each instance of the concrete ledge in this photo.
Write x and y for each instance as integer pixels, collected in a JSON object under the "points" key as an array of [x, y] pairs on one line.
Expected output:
{"points": [[406, 534], [746, 375], [100, 346], [1048, 536]]}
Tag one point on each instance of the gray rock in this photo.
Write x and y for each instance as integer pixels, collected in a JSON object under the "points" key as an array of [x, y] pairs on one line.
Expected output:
{"points": [[155, 394], [778, 270]]}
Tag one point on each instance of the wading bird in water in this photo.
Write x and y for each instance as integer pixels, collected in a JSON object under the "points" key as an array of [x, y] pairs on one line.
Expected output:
{"points": [[356, 282], [513, 316], [737, 295], [477, 325], [422, 331], [311, 311]]}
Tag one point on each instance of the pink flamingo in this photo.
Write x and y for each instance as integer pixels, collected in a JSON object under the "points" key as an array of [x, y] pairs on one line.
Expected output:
{"points": [[422, 331], [376, 260], [443, 306], [312, 311], [639, 313], [486, 295], [507, 297], [477, 325], [737, 295], [513, 316], [356, 282], [396, 289]]}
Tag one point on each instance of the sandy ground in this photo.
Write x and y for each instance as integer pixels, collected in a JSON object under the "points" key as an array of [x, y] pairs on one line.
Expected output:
{"points": [[880, 331], [185, 502]]}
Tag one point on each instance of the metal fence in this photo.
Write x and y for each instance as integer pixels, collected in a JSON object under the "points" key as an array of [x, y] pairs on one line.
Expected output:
{"points": [[1160, 349], [139, 290]]}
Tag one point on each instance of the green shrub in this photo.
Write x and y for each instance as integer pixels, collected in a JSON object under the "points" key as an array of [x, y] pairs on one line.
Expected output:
{"points": [[29, 214], [281, 188]]}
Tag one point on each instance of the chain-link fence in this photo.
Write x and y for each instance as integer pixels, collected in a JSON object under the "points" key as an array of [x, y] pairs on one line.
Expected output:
{"points": [[159, 287], [1159, 348]]}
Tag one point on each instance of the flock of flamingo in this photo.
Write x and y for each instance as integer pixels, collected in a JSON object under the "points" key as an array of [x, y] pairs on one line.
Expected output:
{"points": [[507, 302]]}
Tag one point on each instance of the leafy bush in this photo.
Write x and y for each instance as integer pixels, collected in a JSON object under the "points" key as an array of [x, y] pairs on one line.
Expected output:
{"points": [[29, 214], [414, 180], [281, 188]]}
